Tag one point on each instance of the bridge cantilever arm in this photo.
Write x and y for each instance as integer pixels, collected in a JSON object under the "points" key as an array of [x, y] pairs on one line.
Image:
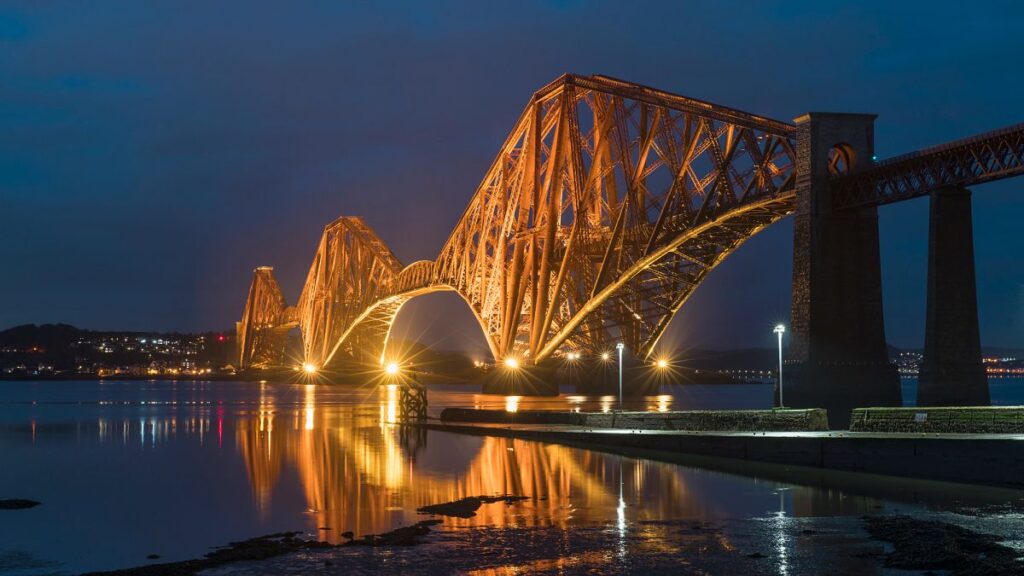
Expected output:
{"points": [[658, 97]]}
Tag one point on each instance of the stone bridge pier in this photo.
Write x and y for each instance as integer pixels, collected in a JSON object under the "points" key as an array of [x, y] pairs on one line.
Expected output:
{"points": [[952, 373], [838, 357]]}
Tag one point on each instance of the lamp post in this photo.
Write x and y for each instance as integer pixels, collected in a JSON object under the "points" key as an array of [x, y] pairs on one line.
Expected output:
{"points": [[780, 330], [619, 347]]}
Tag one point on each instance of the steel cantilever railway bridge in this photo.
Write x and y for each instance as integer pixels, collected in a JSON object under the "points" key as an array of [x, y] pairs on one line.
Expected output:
{"points": [[606, 206], [604, 209]]}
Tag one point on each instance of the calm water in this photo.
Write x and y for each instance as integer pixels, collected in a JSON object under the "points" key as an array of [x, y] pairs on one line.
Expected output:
{"points": [[127, 469]]}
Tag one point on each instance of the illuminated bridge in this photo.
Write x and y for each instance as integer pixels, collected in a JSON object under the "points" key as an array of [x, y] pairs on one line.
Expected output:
{"points": [[608, 204]]}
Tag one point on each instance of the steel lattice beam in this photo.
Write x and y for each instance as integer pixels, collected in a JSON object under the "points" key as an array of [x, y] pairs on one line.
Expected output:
{"points": [[983, 158]]}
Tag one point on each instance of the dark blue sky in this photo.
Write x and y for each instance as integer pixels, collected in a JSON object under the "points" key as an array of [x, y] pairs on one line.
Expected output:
{"points": [[153, 153]]}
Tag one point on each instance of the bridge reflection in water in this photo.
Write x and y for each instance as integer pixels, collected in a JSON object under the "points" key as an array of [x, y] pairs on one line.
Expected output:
{"points": [[361, 471], [345, 464]]}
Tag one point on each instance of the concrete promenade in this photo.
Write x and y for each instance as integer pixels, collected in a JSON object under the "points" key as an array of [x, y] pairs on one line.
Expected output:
{"points": [[989, 459]]}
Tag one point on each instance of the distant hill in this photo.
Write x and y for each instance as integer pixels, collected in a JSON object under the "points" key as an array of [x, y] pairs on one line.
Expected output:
{"points": [[64, 346], [47, 336]]}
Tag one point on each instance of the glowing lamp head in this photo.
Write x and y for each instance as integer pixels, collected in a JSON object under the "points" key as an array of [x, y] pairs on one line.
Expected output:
{"points": [[572, 356], [391, 368], [309, 368], [662, 363], [620, 346], [780, 329], [511, 362]]}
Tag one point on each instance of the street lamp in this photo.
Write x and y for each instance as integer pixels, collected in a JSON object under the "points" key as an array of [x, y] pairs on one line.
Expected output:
{"points": [[780, 330], [620, 347]]}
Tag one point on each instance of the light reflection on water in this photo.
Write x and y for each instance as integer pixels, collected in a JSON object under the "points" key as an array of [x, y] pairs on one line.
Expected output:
{"points": [[128, 469]]}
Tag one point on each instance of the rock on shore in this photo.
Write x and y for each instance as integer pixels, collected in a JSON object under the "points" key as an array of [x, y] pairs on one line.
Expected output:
{"points": [[17, 504]]}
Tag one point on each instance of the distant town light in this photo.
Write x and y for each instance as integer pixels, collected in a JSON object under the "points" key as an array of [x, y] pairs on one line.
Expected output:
{"points": [[662, 363], [511, 362], [391, 368], [605, 356], [309, 368]]}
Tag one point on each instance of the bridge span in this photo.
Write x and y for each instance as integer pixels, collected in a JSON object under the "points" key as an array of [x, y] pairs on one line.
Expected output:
{"points": [[608, 204]]}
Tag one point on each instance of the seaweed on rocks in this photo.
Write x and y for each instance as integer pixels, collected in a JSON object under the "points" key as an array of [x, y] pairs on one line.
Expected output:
{"points": [[269, 546], [403, 536], [259, 548], [466, 507], [932, 545]]}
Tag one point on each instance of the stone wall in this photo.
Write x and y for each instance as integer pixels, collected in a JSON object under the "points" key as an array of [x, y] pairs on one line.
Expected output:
{"points": [[693, 420], [714, 420], [964, 420]]}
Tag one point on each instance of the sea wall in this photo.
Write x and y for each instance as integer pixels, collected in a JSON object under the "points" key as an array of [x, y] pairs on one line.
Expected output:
{"points": [[963, 420], [991, 460], [809, 420]]}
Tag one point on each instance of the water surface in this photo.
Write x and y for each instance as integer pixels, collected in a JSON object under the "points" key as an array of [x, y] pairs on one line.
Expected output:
{"points": [[128, 469]]}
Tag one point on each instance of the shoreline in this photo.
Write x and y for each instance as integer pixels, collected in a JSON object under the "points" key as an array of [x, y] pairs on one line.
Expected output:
{"points": [[854, 546]]}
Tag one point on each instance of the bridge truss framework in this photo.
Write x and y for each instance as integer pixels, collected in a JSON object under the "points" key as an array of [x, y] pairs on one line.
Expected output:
{"points": [[604, 209]]}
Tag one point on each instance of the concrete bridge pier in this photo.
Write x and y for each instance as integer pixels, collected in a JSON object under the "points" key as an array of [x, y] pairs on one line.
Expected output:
{"points": [[838, 357], [952, 373]]}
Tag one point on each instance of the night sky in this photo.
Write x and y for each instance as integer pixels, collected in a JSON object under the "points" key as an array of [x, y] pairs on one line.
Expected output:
{"points": [[153, 153]]}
